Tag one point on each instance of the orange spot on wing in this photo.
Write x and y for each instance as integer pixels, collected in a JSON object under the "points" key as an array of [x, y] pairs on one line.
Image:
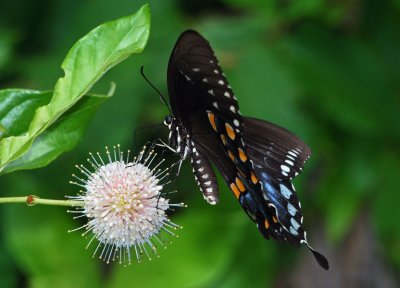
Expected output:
{"points": [[223, 138], [229, 131], [230, 154], [254, 178], [240, 185], [266, 224], [274, 219], [242, 155], [235, 190], [211, 118]]}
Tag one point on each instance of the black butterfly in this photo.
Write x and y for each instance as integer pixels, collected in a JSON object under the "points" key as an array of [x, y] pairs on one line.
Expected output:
{"points": [[257, 159]]}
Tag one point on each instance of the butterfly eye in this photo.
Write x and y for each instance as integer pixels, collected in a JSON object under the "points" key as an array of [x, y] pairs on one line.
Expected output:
{"points": [[168, 120]]}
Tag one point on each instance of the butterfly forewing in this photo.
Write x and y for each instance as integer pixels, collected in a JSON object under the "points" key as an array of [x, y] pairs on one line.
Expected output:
{"points": [[196, 82]]}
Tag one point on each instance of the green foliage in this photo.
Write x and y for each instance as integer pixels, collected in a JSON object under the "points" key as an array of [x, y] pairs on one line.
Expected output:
{"points": [[327, 70], [91, 57], [60, 137]]}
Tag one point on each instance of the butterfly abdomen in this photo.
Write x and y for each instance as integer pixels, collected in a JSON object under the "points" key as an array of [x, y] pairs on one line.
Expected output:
{"points": [[204, 175]]}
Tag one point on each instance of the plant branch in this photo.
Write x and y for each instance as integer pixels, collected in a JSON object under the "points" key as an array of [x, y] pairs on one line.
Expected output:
{"points": [[32, 200]]}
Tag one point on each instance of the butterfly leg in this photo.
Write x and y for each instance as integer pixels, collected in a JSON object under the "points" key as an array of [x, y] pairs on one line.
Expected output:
{"points": [[165, 145]]}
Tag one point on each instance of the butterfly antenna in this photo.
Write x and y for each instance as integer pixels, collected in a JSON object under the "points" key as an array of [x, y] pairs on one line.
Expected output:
{"points": [[154, 87]]}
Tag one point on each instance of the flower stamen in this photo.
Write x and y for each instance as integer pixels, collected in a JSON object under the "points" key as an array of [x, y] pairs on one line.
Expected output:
{"points": [[124, 204]]}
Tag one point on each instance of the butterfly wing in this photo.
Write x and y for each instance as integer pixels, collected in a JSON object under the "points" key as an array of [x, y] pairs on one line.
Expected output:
{"points": [[277, 156], [204, 104], [202, 100], [281, 153], [195, 81]]}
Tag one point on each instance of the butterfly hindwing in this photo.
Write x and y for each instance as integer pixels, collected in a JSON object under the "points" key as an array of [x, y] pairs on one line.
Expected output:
{"points": [[278, 151], [278, 156]]}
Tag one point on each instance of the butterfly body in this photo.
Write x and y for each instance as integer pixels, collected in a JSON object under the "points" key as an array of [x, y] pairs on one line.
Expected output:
{"points": [[256, 158]]}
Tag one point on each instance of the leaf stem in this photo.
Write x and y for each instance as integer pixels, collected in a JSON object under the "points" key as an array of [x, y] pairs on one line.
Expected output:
{"points": [[32, 200]]}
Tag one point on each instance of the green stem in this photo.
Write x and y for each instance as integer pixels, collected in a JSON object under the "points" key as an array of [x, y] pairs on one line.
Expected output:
{"points": [[32, 200]]}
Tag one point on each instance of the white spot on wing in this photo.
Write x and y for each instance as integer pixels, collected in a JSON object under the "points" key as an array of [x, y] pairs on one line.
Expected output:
{"points": [[205, 80], [221, 82], [205, 176], [232, 108], [288, 156], [211, 92], [285, 191], [215, 104], [294, 223], [291, 209], [293, 232], [289, 162], [285, 168], [227, 94], [196, 70]]}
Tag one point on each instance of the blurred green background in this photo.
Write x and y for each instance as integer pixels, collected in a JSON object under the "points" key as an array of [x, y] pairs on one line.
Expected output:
{"points": [[327, 70]]}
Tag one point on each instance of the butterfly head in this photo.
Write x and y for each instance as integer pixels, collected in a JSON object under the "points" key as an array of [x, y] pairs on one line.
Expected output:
{"points": [[168, 121]]}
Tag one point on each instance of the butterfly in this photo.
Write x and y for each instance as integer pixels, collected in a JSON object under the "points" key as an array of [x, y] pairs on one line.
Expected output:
{"points": [[256, 158]]}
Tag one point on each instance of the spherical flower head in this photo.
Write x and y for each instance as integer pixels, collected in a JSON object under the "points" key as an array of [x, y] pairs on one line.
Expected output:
{"points": [[125, 205]]}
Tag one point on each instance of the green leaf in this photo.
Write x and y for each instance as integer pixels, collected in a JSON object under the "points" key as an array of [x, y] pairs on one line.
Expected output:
{"points": [[17, 108], [86, 62], [62, 136]]}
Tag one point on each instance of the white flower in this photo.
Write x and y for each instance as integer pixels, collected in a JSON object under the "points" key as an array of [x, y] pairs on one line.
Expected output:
{"points": [[125, 205]]}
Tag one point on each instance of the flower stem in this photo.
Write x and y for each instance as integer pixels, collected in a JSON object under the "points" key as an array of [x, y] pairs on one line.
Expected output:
{"points": [[32, 200]]}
